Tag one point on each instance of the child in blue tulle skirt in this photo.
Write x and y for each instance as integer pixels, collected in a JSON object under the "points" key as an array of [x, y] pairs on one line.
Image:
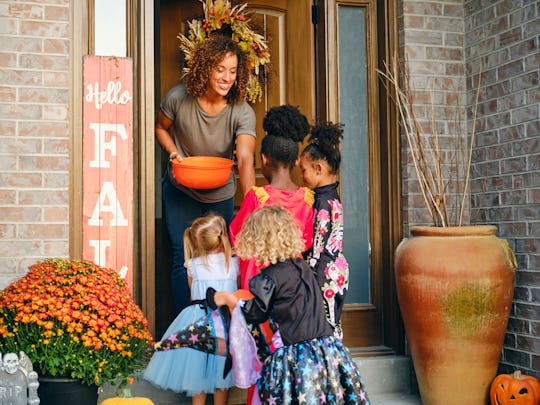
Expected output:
{"points": [[210, 263]]}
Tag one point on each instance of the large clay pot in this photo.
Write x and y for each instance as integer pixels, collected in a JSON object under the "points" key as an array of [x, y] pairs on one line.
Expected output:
{"points": [[455, 288]]}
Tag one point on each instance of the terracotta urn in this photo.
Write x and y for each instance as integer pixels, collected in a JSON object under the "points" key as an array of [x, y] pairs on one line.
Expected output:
{"points": [[455, 287]]}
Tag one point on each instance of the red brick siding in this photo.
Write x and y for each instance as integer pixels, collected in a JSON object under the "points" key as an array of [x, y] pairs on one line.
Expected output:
{"points": [[504, 41], [453, 40], [34, 133], [431, 36]]}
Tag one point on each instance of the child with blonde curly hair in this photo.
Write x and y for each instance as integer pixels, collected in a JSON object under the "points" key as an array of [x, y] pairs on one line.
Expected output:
{"points": [[310, 364]]}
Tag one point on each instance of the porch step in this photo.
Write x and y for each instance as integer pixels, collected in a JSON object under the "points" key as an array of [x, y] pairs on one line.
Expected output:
{"points": [[386, 374], [388, 381], [395, 399]]}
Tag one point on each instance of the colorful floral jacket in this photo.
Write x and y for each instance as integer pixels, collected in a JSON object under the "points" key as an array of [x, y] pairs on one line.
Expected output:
{"points": [[326, 255]]}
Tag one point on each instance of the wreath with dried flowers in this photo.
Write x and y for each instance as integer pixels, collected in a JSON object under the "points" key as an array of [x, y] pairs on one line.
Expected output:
{"points": [[218, 15]]}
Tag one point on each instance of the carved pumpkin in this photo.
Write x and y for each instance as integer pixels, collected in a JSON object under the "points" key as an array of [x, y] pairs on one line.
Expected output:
{"points": [[126, 398], [515, 389]]}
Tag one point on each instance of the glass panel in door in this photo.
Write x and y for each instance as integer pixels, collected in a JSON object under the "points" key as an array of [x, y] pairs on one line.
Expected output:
{"points": [[355, 167]]}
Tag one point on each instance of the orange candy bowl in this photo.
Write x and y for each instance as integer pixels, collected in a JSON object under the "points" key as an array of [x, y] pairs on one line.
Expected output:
{"points": [[202, 172]]}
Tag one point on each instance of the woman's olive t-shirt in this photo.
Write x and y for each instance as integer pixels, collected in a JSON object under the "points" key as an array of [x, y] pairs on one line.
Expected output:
{"points": [[197, 133]]}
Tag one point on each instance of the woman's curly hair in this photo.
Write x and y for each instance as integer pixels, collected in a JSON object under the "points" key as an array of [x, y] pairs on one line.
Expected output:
{"points": [[323, 144], [206, 56], [269, 236], [285, 127]]}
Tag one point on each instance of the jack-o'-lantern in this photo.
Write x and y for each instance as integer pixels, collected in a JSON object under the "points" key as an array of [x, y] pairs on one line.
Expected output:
{"points": [[515, 389]]}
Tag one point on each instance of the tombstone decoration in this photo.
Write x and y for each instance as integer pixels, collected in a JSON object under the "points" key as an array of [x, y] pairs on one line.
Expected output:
{"points": [[18, 380]]}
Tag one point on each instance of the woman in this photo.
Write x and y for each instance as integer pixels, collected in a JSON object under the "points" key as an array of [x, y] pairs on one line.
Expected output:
{"points": [[209, 117]]}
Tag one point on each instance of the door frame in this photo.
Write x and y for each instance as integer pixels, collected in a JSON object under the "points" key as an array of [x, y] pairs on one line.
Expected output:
{"points": [[387, 218], [141, 42], [391, 208], [145, 81]]}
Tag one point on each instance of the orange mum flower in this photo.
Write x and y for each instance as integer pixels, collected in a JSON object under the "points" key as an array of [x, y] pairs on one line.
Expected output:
{"points": [[74, 319]]}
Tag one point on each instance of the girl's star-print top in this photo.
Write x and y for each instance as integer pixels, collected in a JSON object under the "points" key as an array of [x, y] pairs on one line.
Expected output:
{"points": [[326, 255], [288, 293]]}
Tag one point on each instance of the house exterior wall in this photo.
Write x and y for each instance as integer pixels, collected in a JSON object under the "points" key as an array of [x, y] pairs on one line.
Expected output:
{"points": [[34, 133], [432, 51], [453, 40], [502, 38]]}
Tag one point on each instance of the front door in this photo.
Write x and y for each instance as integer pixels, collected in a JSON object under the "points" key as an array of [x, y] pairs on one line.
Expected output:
{"points": [[292, 69], [323, 60]]}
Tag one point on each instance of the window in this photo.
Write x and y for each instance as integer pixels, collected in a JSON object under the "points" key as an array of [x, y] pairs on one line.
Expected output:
{"points": [[110, 28]]}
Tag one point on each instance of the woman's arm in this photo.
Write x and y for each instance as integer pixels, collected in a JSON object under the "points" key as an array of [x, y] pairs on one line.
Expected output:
{"points": [[245, 154], [249, 204], [163, 136]]}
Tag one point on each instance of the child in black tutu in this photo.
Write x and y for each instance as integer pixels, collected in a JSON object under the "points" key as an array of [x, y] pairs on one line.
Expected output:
{"points": [[312, 365]]}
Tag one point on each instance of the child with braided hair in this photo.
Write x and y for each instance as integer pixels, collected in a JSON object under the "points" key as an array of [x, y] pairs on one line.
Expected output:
{"points": [[285, 128], [319, 162]]}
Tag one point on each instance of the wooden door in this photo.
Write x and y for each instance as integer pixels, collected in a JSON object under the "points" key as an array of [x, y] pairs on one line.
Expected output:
{"points": [[351, 39], [287, 28], [348, 42]]}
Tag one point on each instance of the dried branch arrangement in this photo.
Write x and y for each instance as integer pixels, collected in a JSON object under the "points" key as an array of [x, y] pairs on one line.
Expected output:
{"points": [[430, 160]]}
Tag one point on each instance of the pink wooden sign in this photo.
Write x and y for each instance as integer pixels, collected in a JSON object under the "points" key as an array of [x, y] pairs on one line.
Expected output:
{"points": [[108, 164]]}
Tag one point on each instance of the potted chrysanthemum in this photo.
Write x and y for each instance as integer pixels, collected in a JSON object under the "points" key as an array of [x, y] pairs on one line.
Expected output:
{"points": [[74, 320]]}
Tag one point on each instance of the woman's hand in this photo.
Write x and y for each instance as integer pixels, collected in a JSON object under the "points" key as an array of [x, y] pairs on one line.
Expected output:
{"points": [[175, 156]]}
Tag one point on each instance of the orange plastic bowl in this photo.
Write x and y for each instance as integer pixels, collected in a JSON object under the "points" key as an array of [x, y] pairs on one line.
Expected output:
{"points": [[202, 172]]}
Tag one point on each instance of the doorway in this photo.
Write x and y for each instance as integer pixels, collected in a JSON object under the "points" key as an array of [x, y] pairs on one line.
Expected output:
{"points": [[324, 60], [290, 80]]}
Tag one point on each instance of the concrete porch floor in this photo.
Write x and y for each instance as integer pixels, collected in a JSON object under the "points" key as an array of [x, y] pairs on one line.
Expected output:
{"points": [[237, 397], [388, 382]]}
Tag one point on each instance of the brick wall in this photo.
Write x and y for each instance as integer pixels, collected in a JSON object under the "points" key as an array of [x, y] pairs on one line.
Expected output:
{"points": [[431, 45], [502, 39], [34, 133], [454, 40]]}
